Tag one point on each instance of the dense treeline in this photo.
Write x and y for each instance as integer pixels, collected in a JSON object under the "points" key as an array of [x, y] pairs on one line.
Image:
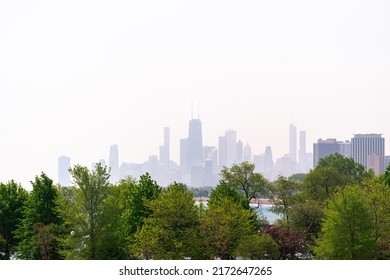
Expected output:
{"points": [[336, 211]]}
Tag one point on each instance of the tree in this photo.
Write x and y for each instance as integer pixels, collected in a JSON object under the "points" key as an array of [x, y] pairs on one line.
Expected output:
{"points": [[111, 246], [283, 191], [378, 195], [13, 198], [386, 176], [291, 242], [83, 211], [137, 210], [243, 177], [41, 221], [227, 222], [345, 166], [320, 184], [306, 216], [348, 228], [259, 246], [298, 177], [172, 230]]}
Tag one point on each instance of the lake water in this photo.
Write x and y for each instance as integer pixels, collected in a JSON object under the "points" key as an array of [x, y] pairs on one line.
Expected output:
{"points": [[262, 211]]}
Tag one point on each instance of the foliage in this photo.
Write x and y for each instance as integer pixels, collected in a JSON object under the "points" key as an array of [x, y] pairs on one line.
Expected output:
{"points": [[386, 176], [201, 192], [137, 210], [283, 191], [348, 228], [223, 228], [291, 242], [258, 247], [12, 201], [227, 190], [172, 230], [321, 183], [378, 195], [41, 223], [83, 209], [345, 166], [243, 177], [307, 216], [298, 177]]}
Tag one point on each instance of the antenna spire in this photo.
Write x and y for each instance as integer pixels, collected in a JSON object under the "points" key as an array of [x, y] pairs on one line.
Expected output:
{"points": [[192, 109]]}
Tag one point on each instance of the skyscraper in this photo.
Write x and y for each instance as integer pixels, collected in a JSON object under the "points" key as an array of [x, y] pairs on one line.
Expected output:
{"points": [[268, 161], [222, 149], [239, 151], [369, 150], [302, 155], [247, 153], [63, 171], [330, 146], [231, 147], [293, 143], [113, 163], [184, 155], [195, 144], [165, 149]]}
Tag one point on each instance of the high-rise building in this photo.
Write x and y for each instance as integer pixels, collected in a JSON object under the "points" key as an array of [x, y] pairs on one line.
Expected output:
{"points": [[293, 143], [231, 147], [222, 149], [247, 153], [324, 148], [113, 163], [369, 150], [211, 156], [268, 161], [165, 149], [195, 144], [63, 171], [239, 152], [184, 155], [302, 155]]}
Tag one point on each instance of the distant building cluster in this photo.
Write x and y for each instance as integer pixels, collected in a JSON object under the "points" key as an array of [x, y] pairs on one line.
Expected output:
{"points": [[200, 164]]}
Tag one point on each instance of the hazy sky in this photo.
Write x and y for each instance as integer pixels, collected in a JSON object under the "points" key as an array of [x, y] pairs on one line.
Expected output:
{"points": [[78, 76]]}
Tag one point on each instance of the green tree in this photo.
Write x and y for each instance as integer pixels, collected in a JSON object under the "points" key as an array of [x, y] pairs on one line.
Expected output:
{"points": [[386, 176], [306, 216], [12, 201], [243, 177], [228, 222], [283, 191], [320, 184], [345, 166], [259, 246], [348, 228], [378, 195], [172, 230], [298, 177], [41, 223], [137, 210], [111, 246], [83, 209]]}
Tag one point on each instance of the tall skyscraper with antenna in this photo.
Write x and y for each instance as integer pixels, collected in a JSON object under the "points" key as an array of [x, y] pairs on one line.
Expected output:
{"points": [[195, 144], [293, 143]]}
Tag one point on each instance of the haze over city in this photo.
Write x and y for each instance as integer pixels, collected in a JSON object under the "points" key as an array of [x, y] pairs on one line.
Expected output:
{"points": [[79, 76]]}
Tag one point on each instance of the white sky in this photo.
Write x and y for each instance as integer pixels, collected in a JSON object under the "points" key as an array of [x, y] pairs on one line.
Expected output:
{"points": [[78, 76]]}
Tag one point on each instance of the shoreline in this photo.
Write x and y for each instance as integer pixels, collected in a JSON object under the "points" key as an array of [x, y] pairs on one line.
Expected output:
{"points": [[254, 201]]}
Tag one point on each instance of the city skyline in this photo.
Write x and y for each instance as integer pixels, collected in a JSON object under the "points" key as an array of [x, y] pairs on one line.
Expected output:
{"points": [[79, 76], [200, 164]]}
